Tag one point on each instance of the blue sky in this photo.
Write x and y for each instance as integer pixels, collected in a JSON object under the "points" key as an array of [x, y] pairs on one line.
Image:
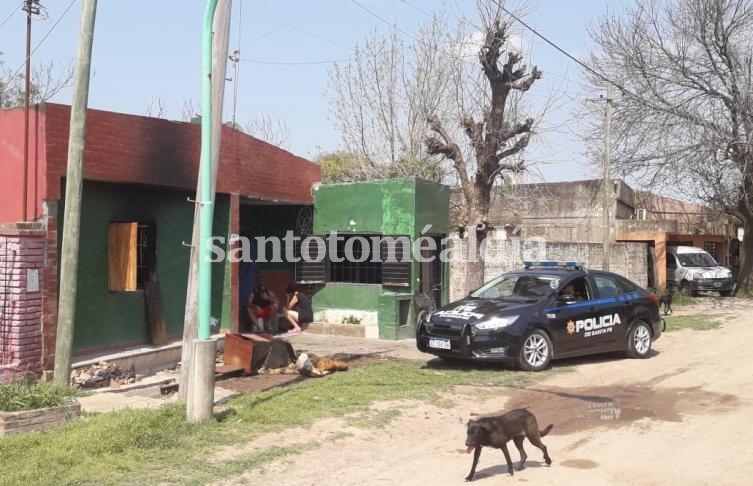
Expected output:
{"points": [[151, 48]]}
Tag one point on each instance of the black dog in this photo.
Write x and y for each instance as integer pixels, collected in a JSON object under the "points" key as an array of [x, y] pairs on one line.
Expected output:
{"points": [[666, 301], [498, 431]]}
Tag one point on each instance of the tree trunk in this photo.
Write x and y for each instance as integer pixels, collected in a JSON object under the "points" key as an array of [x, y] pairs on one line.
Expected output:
{"points": [[478, 211], [474, 270], [745, 275]]}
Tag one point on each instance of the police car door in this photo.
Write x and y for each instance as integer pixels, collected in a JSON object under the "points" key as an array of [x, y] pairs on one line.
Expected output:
{"points": [[610, 325], [567, 321]]}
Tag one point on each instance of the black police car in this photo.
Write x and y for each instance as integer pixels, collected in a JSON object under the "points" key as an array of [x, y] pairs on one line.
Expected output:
{"points": [[548, 311]]}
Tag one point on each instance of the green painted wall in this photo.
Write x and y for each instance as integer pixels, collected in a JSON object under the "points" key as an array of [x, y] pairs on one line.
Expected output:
{"points": [[105, 318], [389, 207], [347, 296]]}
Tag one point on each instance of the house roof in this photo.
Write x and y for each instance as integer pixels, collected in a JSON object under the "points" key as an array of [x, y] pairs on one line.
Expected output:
{"points": [[124, 148]]}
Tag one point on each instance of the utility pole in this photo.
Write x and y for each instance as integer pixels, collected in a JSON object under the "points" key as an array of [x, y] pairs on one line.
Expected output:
{"points": [[220, 46], [31, 7], [608, 189], [235, 58], [73, 184]]}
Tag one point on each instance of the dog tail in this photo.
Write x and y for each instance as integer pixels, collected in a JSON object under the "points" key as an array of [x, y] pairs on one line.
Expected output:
{"points": [[546, 430]]}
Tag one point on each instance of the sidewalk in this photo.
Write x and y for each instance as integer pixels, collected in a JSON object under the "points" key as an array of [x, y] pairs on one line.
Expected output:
{"points": [[327, 345]]}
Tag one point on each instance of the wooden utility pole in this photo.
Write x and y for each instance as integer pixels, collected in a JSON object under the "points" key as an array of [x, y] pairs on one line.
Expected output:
{"points": [[608, 189], [73, 184], [220, 49]]}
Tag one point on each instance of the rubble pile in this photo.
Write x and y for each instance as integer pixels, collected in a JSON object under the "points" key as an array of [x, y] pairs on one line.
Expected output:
{"points": [[102, 374]]}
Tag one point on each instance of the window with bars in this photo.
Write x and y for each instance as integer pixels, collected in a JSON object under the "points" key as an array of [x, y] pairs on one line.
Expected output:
{"points": [[360, 268], [710, 247], [131, 256], [394, 269]]}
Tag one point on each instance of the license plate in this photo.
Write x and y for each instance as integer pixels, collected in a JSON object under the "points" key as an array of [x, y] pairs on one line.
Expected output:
{"points": [[439, 343]]}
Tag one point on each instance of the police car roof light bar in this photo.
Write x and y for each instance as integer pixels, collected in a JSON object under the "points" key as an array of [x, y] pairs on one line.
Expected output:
{"points": [[569, 264]]}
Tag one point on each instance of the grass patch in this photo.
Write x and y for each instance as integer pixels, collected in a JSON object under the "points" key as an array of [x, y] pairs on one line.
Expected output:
{"points": [[680, 300], [158, 446], [697, 323], [25, 394], [374, 419]]}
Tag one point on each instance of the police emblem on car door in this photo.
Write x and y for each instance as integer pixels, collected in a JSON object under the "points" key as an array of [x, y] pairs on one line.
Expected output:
{"points": [[571, 309]]}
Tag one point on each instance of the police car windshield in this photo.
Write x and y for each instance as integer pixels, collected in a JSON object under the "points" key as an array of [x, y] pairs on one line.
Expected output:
{"points": [[696, 260], [518, 286]]}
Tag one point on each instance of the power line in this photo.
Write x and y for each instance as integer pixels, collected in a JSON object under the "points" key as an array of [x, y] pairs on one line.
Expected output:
{"points": [[262, 37], [11, 14], [298, 29], [44, 37], [419, 9], [295, 63], [419, 41], [573, 58]]}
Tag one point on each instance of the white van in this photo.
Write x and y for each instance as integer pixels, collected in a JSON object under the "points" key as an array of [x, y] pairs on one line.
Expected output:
{"points": [[692, 270]]}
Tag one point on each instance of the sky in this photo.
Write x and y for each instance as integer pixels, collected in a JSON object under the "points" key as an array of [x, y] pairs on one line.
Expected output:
{"points": [[149, 49]]}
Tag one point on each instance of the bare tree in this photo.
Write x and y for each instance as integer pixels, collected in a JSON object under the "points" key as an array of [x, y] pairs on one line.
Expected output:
{"points": [[380, 100], [47, 80], [189, 109], [157, 108], [685, 118], [267, 128], [491, 118]]}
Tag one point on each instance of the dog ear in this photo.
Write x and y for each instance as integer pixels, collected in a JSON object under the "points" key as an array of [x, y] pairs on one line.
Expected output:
{"points": [[487, 427]]}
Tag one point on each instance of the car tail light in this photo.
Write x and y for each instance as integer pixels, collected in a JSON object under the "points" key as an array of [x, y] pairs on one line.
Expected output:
{"points": [[653, 298]]}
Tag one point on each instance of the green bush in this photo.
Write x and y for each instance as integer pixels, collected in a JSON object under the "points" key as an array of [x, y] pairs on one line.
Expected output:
{"points": [[351, 320], [25, 394]]}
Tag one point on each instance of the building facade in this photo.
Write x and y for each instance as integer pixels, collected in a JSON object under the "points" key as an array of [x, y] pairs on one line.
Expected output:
{"points": [[140, 177]]}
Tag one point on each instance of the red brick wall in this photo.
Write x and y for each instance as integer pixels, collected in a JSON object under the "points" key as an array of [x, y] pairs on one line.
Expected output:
{"points": [[12, 163], [143, 150], [20, 309]]}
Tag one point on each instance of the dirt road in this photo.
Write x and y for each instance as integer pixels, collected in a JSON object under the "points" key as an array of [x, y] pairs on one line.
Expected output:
{"points": [[684, 416]]}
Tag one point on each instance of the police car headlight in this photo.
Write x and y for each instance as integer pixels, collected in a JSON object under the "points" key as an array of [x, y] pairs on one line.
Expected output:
{"points": [[696, 276], [495, 323]]}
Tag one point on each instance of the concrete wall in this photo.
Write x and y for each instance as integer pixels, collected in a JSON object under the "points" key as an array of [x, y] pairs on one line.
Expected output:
{"points": [[21, 282], [386, 207], [505, 255], [557, 200]]}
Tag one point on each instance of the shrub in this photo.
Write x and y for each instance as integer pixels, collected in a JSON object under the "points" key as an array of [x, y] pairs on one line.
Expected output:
{"points": [[25, 394]]}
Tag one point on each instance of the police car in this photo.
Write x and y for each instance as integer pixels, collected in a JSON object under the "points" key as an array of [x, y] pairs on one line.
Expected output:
{"points": [[547, 311]]}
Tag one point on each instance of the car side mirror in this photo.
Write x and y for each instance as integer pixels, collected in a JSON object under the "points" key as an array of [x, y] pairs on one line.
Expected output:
{"points": [[566, 299]]}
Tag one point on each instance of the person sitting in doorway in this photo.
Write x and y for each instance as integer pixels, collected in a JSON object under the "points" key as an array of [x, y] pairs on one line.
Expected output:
{"points": [[298, 310], [262, 304]]}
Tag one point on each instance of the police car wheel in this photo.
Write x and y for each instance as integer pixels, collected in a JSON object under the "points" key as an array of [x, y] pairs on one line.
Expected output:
{"points": [[639, 341], [535, 352]]}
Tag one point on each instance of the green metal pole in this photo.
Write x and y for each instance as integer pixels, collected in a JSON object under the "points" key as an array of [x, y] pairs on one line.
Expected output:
{"points": [[205, 175]]}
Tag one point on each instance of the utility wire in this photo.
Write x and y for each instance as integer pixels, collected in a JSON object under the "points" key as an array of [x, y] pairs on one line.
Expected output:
{"points": [[419, 9], [260, 38], [298, 29], [44, 38], [295, 63], [394, 26], [571, 57], [11, 14]]}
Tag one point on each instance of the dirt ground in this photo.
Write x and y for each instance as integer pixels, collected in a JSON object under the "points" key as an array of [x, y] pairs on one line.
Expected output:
{"points": [[681, 417]]}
